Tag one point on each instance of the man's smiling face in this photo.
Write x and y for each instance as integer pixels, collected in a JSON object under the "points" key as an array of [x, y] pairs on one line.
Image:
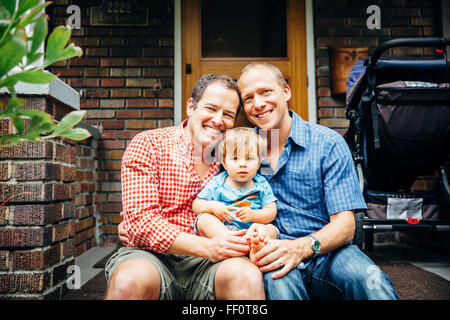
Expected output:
{"points": [[215, 112], [264, 99]]}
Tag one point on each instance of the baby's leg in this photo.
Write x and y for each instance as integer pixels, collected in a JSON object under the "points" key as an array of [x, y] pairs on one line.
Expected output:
{"points": [[209, 225]]}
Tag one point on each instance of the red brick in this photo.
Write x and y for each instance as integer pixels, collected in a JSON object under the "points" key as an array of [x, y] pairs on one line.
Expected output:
{"points": [[113, 82], [4, 215], [141, 103], [25, 192], [112, 124], [63, 191], [128, 114], [141, 62], [63, 231], [4, 260], [5, 171], [113, 144], [112, 62], [157, 114], [83, 82], [89, 103], [28, 150], [38, 214], [40, 259], [127, 134], [111, 165], [37, 171], [96, 52], [125, 93], [20, 237], [125, 52], [24, 282], [165, 103], [68, 72], [140, 124], [96, 72], [68, 173], [84, 62]]}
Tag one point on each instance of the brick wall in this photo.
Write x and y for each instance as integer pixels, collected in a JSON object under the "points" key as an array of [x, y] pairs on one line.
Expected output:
{"points": [[86, 176], [37, 226], [116, 77]]}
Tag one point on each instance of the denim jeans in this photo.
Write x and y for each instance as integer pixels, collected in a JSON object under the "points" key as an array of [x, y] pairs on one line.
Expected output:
{"points": [[346, 273]]}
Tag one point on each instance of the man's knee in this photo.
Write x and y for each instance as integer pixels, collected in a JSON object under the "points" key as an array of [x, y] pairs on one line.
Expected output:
{"points": [[238, 278], [134, 280]]}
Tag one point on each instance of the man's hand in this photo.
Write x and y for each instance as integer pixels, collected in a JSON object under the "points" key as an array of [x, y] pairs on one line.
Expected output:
{"points": [[227, 245], [123, 234], [284, 254]]}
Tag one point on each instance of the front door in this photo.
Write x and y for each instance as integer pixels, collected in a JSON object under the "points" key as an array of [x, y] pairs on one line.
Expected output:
{"points": [[223, 36]]}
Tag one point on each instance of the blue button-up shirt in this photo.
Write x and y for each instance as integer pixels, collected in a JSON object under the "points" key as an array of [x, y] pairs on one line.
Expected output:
{"points": [[315, 178]]}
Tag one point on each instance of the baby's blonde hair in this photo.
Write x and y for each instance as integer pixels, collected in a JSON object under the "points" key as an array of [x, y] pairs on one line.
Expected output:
{"points": [[241, 139]]}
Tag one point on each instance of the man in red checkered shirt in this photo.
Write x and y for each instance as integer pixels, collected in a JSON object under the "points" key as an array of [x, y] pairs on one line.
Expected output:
{"points": [[162, 172]]}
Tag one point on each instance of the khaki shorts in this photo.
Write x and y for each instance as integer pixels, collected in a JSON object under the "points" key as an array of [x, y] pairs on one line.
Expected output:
{"points": [[182, 277]]}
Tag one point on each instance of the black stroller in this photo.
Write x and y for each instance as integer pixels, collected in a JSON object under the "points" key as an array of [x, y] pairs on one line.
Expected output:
{"points": [[399, 112]]}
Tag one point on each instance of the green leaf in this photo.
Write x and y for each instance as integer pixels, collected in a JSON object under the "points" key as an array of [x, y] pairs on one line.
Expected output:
{"points": [[33, 13], [39, 33], [9, 138], [25, 5], [69, 52], [12, 51], [9, 5], [56, 42], [32, 57], [76, 134], [14, 104], [18, 123], [34, 76], [68, 122], [34, 113]]}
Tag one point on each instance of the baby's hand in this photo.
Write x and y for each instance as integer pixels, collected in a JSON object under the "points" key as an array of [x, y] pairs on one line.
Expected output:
{"points": [[246, 214], [221, 211]]}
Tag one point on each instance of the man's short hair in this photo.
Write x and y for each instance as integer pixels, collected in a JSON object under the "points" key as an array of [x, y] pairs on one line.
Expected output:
{"points": [[276, 72], [239, 140], [208, 79]]}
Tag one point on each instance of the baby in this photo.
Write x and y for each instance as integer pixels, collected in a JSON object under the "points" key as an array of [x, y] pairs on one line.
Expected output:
{"points": [[238, 196]]}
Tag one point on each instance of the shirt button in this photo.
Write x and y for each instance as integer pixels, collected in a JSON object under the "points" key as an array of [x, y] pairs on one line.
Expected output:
{"points": [[272, 180], [301, 264]]}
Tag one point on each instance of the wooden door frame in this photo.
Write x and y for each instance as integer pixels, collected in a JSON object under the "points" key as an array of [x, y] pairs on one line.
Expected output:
{"points": [[304, 44]]}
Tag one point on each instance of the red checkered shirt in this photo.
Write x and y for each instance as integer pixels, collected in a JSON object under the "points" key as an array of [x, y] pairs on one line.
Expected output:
{"points": [[159, 184]]}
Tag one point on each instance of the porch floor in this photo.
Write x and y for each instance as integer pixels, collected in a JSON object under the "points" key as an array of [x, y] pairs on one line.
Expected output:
{"points": [[416, 274]]}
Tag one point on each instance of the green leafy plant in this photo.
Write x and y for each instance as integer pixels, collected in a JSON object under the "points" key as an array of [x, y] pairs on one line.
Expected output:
{"points": [[18, 52]]}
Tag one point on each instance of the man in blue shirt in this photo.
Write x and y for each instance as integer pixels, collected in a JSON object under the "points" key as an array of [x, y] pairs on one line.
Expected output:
{"points": [[311, 172]]}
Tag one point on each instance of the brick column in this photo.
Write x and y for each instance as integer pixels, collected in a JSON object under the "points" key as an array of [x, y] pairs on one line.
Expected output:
{"points": [[37, 227]]}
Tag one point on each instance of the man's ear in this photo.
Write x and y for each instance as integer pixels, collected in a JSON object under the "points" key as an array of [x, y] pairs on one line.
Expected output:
{"points": [[189, 107], [287, 92]]}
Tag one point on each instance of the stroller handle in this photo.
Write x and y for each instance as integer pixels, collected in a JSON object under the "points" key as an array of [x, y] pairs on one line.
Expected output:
{"points": [[408, 42]]}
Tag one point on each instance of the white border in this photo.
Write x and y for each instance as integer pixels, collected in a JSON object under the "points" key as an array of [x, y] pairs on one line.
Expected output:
{"points": [[177, 73], [310, 62]]}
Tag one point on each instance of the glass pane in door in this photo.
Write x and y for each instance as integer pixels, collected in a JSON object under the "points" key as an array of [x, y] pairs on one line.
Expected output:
{"points": [[243, 28]]}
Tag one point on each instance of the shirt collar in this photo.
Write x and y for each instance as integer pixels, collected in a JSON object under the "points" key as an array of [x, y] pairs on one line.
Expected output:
{"points": [[186, 144], [298, 133]]}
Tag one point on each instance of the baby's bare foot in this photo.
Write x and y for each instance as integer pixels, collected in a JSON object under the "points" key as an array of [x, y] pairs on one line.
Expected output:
{"points": [[256, 244]]}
